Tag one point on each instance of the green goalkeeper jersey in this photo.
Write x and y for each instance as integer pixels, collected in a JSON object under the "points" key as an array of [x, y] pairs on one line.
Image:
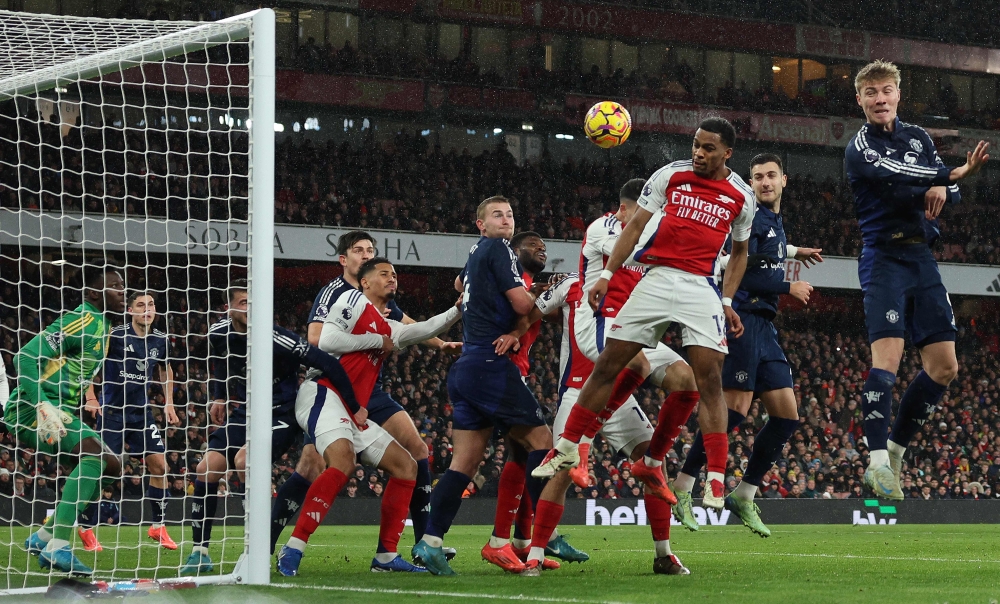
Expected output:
{"points": [[58, 364]]}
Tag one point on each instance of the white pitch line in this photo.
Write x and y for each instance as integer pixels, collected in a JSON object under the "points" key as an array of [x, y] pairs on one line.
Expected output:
{"points": [[444, 594], [792, 555]]}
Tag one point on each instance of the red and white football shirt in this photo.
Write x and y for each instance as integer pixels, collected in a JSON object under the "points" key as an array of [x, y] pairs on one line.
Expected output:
{"points": [[692, 216], [353, 313], [566, 295], [527, 340], [598, 242]]}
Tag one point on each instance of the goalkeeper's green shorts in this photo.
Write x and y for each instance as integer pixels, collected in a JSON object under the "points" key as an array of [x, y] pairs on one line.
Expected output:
{"points": [[20, 419]]}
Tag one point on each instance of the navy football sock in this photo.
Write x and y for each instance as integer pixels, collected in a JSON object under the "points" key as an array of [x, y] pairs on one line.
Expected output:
{"points": [[88, 518], [421, 500], [696, 458], [445, 501], [157, 503], [203, 508], [287, 501], [767, 447], [918, 404], [535, 485], [876, 406]]}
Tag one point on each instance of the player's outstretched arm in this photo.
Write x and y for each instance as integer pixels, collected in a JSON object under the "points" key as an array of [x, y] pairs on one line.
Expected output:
{"points": [[808, 256], [974, 162], [406, 335], [624, 245]]}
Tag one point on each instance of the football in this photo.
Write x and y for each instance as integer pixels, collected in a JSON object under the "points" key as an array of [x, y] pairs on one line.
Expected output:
{"points": [[607, 124]]}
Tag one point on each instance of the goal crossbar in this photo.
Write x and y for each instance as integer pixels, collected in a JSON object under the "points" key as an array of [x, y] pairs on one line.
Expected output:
{"points": [[118, 59]]}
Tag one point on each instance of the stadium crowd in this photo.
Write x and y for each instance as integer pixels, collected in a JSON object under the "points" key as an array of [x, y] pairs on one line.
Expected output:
{"points": [[416, 186], [957, 456], [674, 81], [426, 189]]}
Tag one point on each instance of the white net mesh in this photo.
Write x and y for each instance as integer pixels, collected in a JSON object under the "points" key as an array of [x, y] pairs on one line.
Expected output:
{"points": [[122, 143]]}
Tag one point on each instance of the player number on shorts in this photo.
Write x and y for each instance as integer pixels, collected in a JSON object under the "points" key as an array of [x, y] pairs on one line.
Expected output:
{"points": [[154, 431], [720, 323]]}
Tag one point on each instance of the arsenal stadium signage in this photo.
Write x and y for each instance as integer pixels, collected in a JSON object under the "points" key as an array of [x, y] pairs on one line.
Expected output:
{"points": [[405, 248]]}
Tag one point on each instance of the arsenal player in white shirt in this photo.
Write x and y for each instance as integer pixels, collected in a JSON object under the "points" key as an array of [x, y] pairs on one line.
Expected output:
{"points": [[686, 211], [356, 332]]}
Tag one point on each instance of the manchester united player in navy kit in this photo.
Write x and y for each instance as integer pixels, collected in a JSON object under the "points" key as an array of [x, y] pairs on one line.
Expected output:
{"points": [[487, 392], [900, 186], [137, 355], [227, 340], [755, 363]]}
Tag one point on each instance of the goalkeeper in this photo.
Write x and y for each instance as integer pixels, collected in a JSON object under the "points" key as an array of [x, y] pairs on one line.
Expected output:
{"points": [[53, 370]]}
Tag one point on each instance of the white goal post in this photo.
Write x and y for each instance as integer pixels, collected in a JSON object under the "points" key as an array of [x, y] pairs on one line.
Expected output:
{"points": [[68, 85]]}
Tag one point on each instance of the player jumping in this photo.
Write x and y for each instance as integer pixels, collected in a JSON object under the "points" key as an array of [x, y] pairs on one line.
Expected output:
{"points": [[53, 370], [357, 331], [137, 355], [686, 211], [755, 363], [900, 186]]}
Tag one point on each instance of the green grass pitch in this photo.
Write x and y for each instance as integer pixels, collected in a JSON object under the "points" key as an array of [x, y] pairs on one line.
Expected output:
{"points": [[798, 564]]}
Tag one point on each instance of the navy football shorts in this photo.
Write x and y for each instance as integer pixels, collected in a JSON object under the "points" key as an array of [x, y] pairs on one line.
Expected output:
{"points": [[755, 362], [134, 429], [230, 438], [904, 295], [487, 390], [381, 406]]}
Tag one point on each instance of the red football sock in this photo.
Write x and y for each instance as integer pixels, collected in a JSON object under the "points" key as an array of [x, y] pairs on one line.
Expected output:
{"points": [[525, 516], [598, 423], [508, 497], [625, 385], [395, 507], [674, 413], [658, 514], [716, 450], [577, 423], [319, 498], [547, 517]]}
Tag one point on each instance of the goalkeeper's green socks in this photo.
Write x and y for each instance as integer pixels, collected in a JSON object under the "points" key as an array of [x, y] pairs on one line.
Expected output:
{"points": [[82, 486]]}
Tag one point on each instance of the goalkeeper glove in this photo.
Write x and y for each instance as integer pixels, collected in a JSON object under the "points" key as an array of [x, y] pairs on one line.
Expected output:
{"points": [[50, 422]]}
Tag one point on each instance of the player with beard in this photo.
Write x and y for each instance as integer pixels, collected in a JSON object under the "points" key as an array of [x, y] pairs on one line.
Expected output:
{"points": [[514, 505], [756, 365], [54, 368]]}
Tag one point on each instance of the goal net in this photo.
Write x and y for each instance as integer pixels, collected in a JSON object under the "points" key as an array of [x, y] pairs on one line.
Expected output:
{"points": [[146, 147]]}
